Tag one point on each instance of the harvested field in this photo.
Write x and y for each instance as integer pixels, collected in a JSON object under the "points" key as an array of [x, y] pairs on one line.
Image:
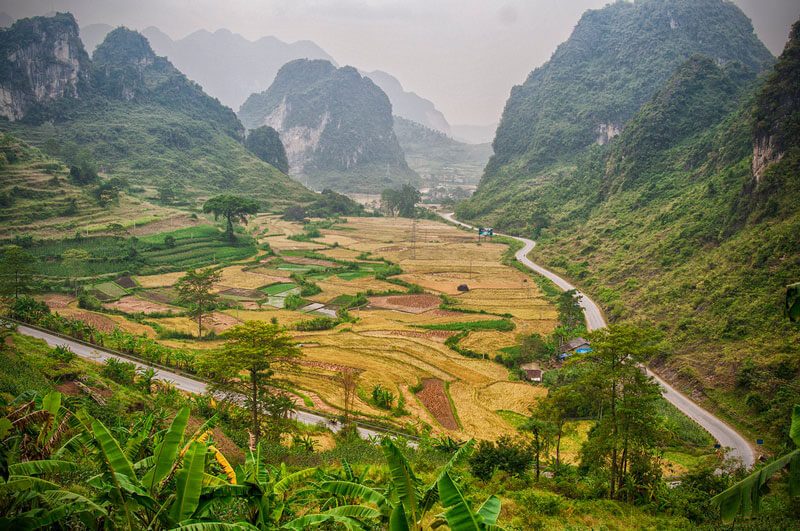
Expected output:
{"points": [[309, 261], [126, 282], [159, 281], [241, 293], [240, 277], [439, 336], [407, 303], [511, 396], [133, 304], [434, 398], [56, 300], [99, 295], [101, 322], [160, 295], [219, 322]]}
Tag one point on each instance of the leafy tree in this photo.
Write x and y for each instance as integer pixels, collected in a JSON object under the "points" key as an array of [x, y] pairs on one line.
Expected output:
{"points": [[542, 432], [570, 313], [233, 208], [83, 168], [402, 202], [555, 411], [254, 348], [627, 435], [117, 231], [294, 213], [194, 289], [73, 259], [16, 270], [265, 143], [507, 454]]}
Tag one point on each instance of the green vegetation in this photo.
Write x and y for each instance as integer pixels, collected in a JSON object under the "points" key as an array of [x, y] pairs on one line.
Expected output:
{"points": [[194, 290], [667, 224], [265, 143], [503, 325], [233, 208]]}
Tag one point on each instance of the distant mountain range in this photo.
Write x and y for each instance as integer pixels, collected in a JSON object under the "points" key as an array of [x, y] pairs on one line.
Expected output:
{"points": [[336, 125], [230, 67], [137, 115]]}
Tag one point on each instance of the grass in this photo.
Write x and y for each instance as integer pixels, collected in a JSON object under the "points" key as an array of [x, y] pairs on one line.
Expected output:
{"points": [[111, 289], [503, 325], [276, 289]]}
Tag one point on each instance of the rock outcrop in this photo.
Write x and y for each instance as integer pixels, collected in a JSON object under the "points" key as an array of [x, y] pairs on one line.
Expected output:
{"points": [[42, 60], [336, 126]]}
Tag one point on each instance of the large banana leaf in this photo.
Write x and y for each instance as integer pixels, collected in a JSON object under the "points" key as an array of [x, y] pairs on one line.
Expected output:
{"points": [[357, 491], [490, 510], [216, 526], [431, 495], [311, 520], [404, 481], [25, 484], [359, 512], [167, 451], [398, 520], [51, 402], [112, 453], [189, 482], [292, 480], [44, 466], [744, 497], [459, 515]]}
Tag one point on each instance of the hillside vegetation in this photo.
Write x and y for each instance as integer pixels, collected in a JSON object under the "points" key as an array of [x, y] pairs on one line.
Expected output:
{"points": [[144, 121], [668, 224]]}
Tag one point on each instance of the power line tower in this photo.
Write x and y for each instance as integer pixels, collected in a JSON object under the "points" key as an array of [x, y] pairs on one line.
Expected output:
{"points": [[414, 238]]}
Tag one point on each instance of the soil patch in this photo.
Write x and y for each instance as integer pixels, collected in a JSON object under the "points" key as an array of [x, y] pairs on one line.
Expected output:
{"points": [[100, 322], [126, 282], [69, 388], [219, 322], [241, 293], [99, 295], [133, 304], [407, 303], [160, 295], [443, 313], [57, 300], [434, 398]]}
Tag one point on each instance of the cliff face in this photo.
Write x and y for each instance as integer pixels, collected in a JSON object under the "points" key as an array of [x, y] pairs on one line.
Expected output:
{"points": [[336, 126], [41, 60]]}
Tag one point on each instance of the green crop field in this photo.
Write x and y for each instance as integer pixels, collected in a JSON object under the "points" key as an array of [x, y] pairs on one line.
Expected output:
{"points": [[111, 289], [276, 289]]}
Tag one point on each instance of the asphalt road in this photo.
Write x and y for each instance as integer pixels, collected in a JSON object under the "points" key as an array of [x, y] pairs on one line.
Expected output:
{"points": [[736, 445], [180, 381]]}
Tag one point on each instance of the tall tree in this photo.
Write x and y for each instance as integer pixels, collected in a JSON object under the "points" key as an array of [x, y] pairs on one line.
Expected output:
{"points": [[73, 259], [194, 289], [628, 432], [402, 202], [255, 348], [233, 208], [16, 270], [542, 432], [570, 313]]}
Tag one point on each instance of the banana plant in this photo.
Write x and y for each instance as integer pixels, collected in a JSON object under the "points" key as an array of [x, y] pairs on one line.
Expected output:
{"points": [[401, 506], [459, 515], [270, 492], [150, 501], [744, 497]]}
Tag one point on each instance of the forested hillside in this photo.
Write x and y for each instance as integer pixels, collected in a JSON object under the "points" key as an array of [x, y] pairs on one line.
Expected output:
{"points": [[139, 118], [669, 224]]}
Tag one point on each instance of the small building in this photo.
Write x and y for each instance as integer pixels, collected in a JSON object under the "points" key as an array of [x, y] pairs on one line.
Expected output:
{"points": [[532, 371], [574, 346]]}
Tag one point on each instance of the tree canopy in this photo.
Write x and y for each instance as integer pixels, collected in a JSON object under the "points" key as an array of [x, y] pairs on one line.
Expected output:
{"points": [[234, 208]]}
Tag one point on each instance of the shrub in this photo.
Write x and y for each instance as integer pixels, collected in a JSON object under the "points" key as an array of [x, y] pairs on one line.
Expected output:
{"points": [[507, 454], [293, 302], [169, 241], [122, 372], [62, 353], [381, 397], [87, 301]]}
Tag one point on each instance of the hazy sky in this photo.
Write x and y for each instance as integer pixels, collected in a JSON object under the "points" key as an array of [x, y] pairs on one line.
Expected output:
{"points": [[464, 55]]}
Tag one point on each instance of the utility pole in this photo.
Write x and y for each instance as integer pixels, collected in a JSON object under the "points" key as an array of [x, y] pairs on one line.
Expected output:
{"points": [[414, 238]]}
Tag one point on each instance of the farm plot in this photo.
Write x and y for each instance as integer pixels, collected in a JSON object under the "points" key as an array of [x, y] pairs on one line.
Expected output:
{"points": [[434, 397], [133, 304], [110, 289], [406, 303]]}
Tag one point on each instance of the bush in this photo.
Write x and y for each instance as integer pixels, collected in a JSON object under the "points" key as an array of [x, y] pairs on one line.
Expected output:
{"points": [[87, 301], [507, 454], [169, 241], [293, 302], [62, 353], [381, 397], [122, 372]]}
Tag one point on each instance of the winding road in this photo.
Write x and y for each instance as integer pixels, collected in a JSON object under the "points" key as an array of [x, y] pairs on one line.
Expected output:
{"points": [[736, 445], [182, 382]]}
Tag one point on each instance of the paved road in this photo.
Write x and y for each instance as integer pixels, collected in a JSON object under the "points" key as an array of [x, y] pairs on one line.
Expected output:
{"points": [[180, 381], [727, 437]]}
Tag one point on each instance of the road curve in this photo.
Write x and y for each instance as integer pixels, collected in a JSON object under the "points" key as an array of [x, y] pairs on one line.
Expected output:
{"points": [[180, 381], [736, 445]]}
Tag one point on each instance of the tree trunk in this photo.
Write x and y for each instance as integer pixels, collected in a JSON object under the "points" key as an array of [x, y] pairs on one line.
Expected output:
{"points": [[254, 383], [613, 438], [199, 325], [538, 451], [558, 449], [229, 232]]}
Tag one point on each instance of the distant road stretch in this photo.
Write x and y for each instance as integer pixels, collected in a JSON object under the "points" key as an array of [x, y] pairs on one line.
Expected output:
{"points": [[180, 381], [726, 436]]}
